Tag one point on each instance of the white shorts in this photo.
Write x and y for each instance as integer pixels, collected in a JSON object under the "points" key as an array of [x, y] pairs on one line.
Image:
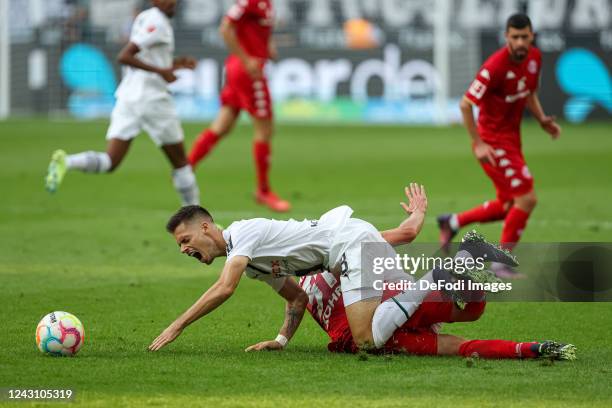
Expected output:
{"points": [[356, 246], [156, 117]]}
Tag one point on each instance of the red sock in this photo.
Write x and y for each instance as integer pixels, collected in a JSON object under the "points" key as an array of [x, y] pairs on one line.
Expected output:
{"points": [[424, 343], [497, 349], [489, 211], [202, 146], [516, 220], [261, 153]]}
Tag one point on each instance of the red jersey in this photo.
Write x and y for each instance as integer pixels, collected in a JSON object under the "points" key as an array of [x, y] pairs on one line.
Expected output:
{"points": [[500, 91], [254, 20], [325, 303], [326, 306]]}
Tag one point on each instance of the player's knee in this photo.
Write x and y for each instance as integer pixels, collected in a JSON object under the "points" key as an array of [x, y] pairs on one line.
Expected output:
{"points": [[474, 310], [529, 202], [363, 339], [263, 135], [449, 345]]}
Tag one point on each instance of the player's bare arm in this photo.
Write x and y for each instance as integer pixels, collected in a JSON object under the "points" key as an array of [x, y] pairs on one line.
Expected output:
{"points": [[127, 56], [297, 300], [547, 123], [218, 293], [482, 151], [273, 49], [416, 208], [186, 62], [228, 33]]}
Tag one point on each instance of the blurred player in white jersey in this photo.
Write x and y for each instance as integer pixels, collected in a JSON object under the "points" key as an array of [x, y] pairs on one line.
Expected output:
{"points": [[271, 250], [143, 103]]}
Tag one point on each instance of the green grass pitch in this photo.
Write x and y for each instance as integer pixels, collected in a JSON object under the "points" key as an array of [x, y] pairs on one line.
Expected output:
{"points": [[98, 249]]}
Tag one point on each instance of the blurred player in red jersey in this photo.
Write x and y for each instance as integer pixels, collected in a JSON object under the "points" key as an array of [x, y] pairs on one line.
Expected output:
{"points": [[505, 84], [247, 32], [419, 335]]}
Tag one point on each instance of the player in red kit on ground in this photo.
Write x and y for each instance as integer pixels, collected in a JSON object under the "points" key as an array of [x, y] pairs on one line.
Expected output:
{"points": [[247, 32], [419, 335], [505, 84]]}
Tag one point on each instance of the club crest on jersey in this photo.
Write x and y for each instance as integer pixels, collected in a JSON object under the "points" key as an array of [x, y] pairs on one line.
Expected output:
{"points": [[532, 66]]}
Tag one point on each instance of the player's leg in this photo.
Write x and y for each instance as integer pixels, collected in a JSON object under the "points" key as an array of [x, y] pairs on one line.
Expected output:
{"points": [[262, 150], [208, 139], [183, 179], [396, 311], [449, 345], [164, 128], [489, 211], [516, 219], [124, 126]]}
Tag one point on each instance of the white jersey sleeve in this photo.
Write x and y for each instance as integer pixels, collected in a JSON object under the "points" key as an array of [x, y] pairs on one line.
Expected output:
{"points": [[243, 237], [149, 30]]}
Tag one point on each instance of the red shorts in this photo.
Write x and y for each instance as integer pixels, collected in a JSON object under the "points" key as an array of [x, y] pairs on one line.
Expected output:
{"points": [[418, 335], [243, 92], [511, 175]]}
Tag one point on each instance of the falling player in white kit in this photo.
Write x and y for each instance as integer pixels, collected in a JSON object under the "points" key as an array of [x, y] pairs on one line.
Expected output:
{"points": [[270, 250], [143, 103]]}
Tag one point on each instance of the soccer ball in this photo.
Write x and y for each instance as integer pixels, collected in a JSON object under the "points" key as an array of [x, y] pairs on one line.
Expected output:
{"points": [[60, 334]]}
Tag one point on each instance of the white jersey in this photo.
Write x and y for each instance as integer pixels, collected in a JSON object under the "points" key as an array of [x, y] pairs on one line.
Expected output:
{"points": [[277, 249], [152, 32]]}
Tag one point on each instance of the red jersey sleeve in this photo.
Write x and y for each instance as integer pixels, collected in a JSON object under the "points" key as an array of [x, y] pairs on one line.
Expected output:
{"points": [[482, 83], [241, 9], [539, 68]]}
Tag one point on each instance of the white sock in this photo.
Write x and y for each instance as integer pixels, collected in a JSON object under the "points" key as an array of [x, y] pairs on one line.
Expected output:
{"points": [[394, 312], [454, 222], [185, 184], [89, 162]]}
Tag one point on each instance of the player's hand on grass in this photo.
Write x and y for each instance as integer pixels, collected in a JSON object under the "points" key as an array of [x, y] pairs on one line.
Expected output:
{"points": [[417, 199], [551, 127], [484, 152], [167, 336], [185, 62], [253, 68], [265, 345], [167, 74]]}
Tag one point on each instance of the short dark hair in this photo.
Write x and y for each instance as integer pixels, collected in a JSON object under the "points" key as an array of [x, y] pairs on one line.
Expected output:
{"points": [[186, 214], [518, 21]]}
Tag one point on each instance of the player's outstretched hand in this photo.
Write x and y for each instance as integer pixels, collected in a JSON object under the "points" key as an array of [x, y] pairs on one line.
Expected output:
{"points": [[551, 127], [167, 336], [417, 199], [265, 345], [484, 153]]}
